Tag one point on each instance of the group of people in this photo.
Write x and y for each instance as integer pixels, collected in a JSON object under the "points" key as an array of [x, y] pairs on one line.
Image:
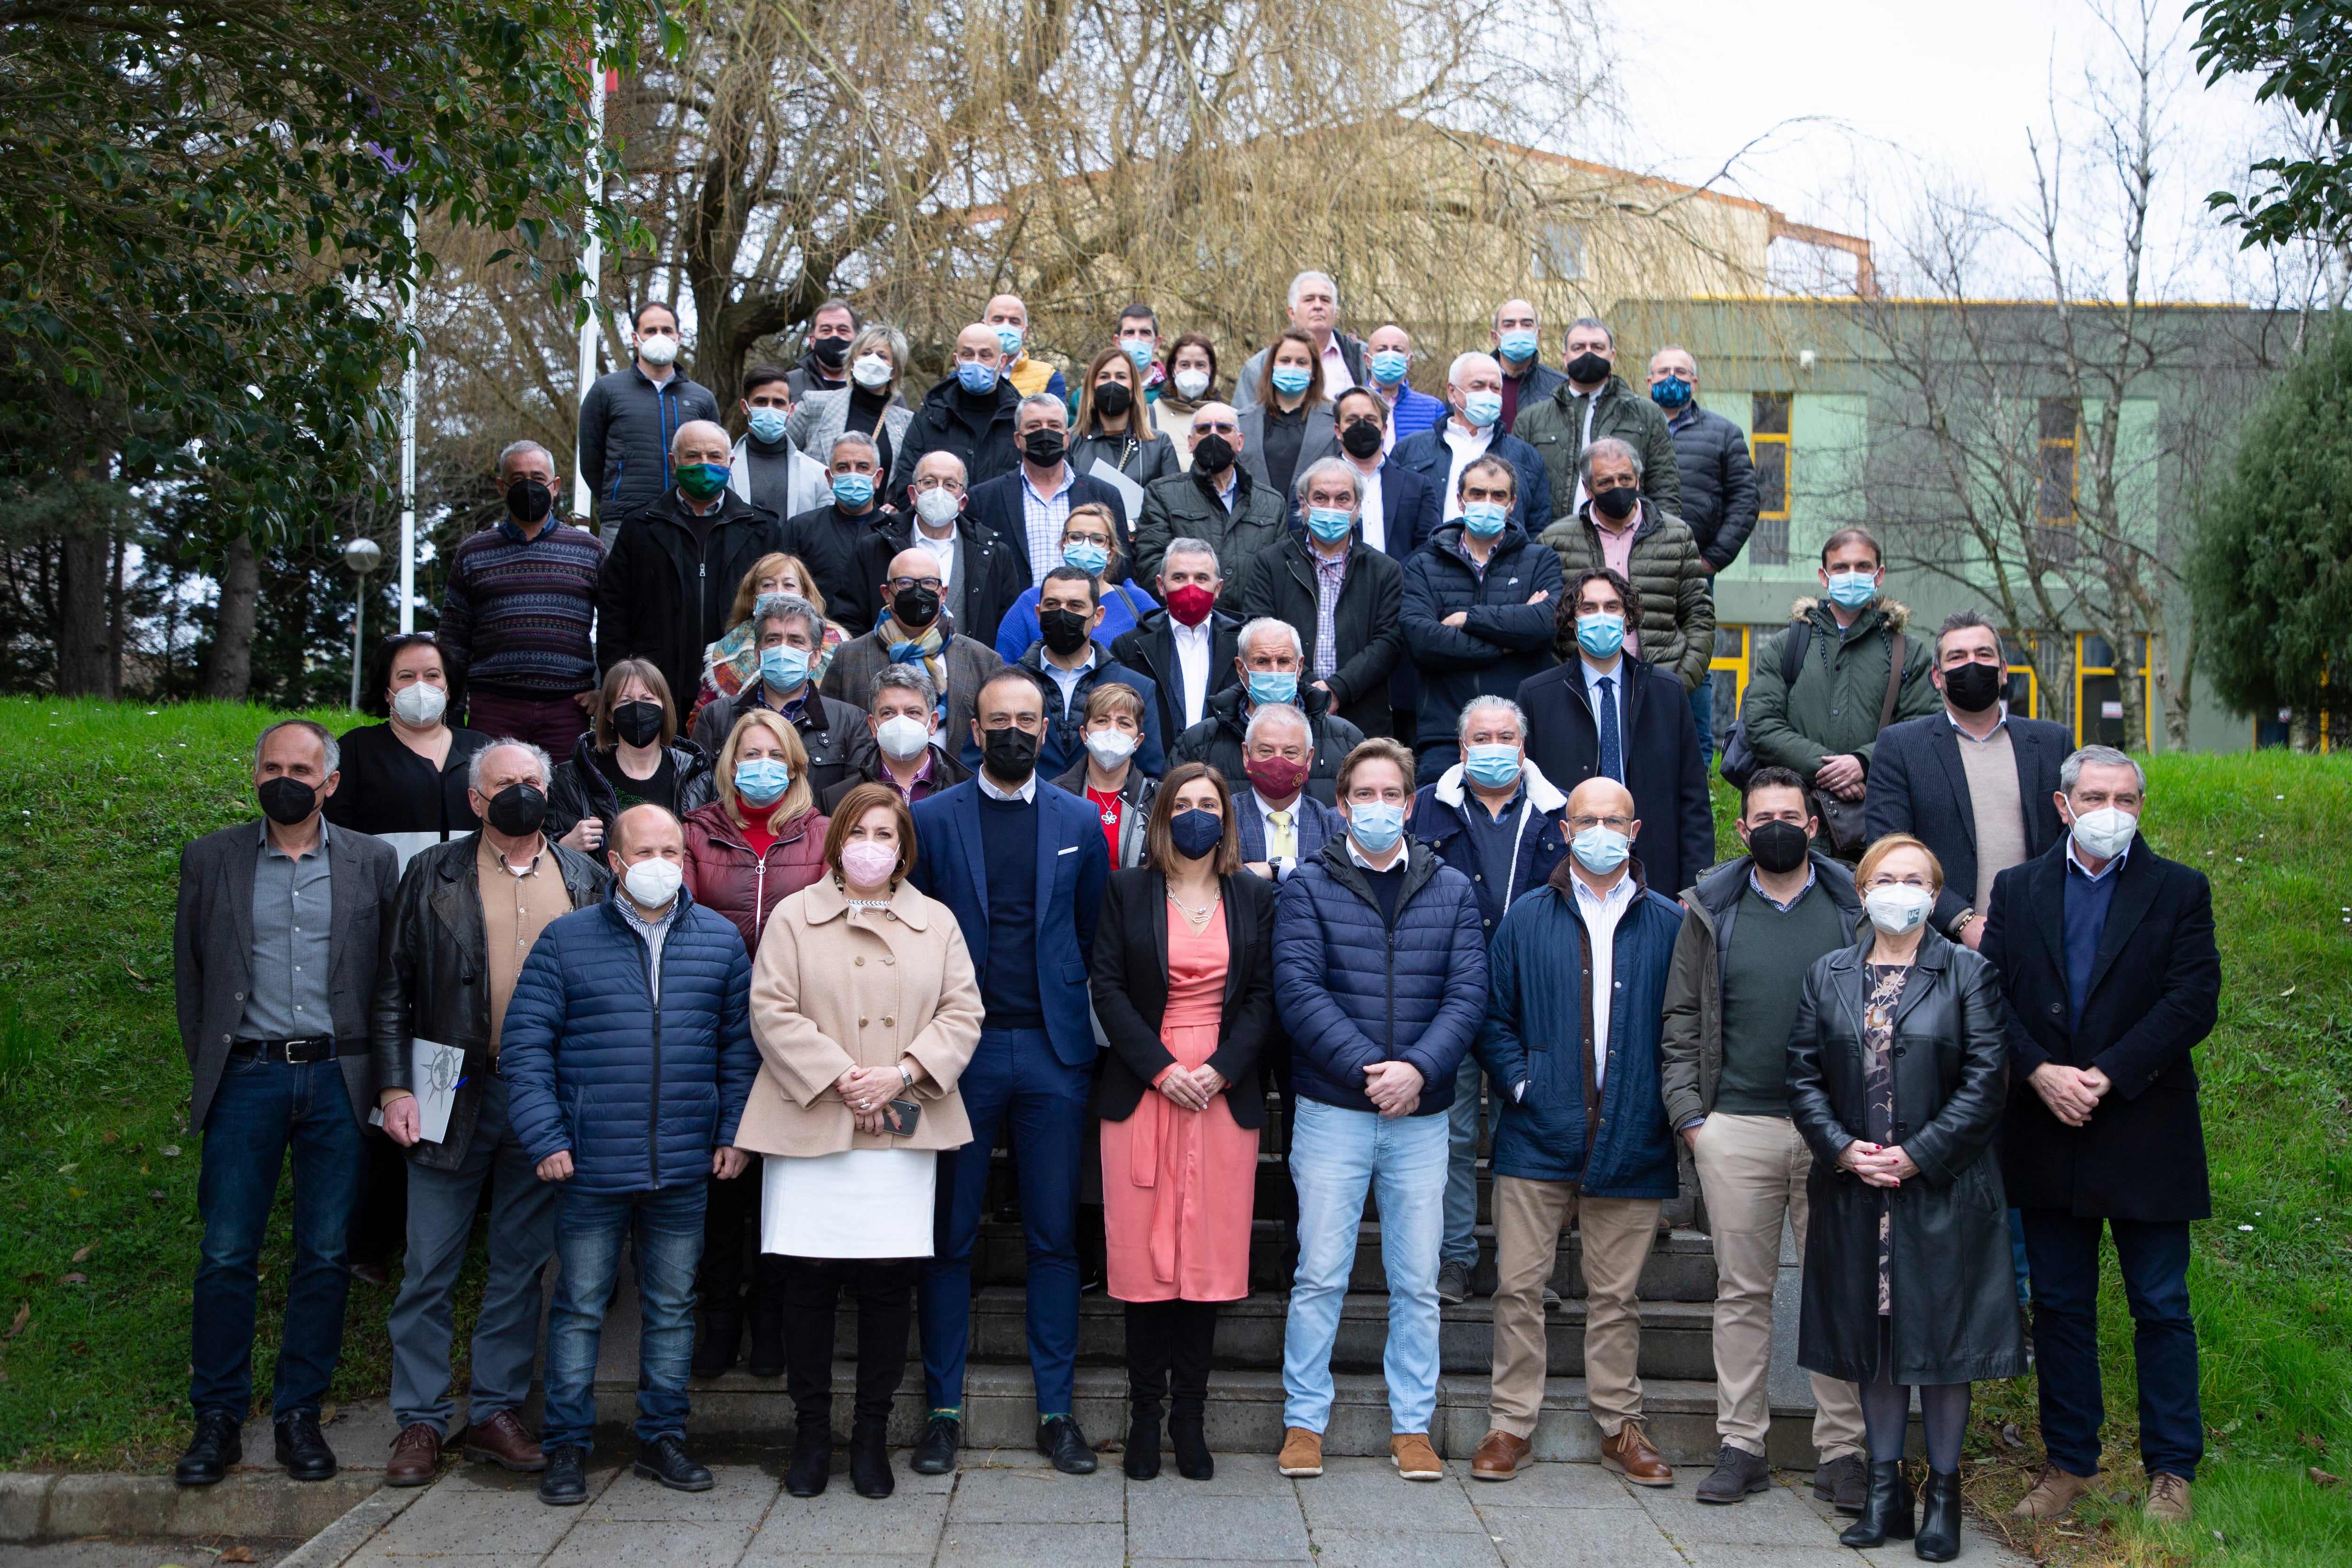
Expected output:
{"points": [[1322, 803]]}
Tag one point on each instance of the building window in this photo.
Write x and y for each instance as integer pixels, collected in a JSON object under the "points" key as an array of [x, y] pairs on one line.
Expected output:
{"points": [[1769, 446], [1559, 255], [2054, 537], [2099, 694]]}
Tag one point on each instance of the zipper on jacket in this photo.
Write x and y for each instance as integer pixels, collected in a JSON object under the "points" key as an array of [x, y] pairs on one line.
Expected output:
{"points": [[759, 901], [653, 1126]]}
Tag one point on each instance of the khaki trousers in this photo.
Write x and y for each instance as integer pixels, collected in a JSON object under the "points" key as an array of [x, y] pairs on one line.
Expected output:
{"points": [[1618, 1233], [1752, 1170]]}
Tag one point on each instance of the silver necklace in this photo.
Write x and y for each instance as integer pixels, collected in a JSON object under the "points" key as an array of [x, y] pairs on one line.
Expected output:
{"points": [[1191, 916]]}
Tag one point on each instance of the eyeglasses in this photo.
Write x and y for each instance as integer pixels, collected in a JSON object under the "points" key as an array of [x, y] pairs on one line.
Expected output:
{"points": [[936, 483], [906, 584], [1614, 824]]}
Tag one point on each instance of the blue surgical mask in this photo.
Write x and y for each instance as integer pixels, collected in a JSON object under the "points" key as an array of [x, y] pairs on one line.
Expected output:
{"points": [[1601, 851], [853, 490], [1485, 517], [1290, 380], [1519, 345], [762, 781], [1387, 366], [1671, 392], [1139, 350], [1481, 409], [976, 377], [783, 667], [1491, 767], [1601, 635], [1329, 523], [1376, 825], [767, 424], [1853, 590], [1008, 338], [1273, 686], [1086, 556]]}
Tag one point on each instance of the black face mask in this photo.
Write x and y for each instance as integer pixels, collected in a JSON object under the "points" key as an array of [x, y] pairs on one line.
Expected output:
{"points": [[528, 501], [638, 724], [1588, 368], [915, 607], [1778, 846], [1214, 455], [830, 352], [1616, 505], [1974, 687], [287, 800], [1065, 631], [1113, 399], [1043, 447], [1360, 439], [517, 810], [1010, 754]]}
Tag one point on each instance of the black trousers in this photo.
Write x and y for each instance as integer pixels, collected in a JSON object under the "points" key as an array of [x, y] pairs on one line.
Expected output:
{"points": [[885, 1288], [732, 1209], [1169, 1348], [380, 1223]]}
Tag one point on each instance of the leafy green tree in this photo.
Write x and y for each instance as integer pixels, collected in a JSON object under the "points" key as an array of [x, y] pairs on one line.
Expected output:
{"points": [[2302, 50]]}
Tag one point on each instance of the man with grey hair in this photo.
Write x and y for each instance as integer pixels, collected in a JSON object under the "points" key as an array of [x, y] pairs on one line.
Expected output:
{"points": [[277, 959], [1619, 529], [1473, 428], [518, 610], [467, 916], [831, 538], [1314, 309], [789, 633], [1185, 647], [1593, 402], [903, 746], [1029, 508], [2106, 954], [1351, 596], [1268, 659]]}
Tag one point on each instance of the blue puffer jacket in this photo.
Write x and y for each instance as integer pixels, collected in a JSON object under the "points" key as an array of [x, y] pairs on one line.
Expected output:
{"points": [[1351, 992], [639, 1095], [1534, 1033]]}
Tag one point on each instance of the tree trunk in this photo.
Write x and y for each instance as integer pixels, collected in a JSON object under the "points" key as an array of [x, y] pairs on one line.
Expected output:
{"points": [[115, 609], [229, 675], [84, 637]]}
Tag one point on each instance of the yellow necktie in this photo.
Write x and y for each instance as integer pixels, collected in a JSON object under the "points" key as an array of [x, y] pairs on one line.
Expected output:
{"points": [[1279, 844]]}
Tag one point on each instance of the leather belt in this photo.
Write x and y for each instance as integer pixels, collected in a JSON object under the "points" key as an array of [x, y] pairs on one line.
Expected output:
{"points": [[298, 1052]]}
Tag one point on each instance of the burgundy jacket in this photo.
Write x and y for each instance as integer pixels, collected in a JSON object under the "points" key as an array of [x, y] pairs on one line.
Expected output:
{"points": [[723, 874]]}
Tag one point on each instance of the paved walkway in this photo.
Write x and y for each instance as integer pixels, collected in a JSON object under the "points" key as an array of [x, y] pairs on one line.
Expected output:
{"points": [[1359, 1514]]}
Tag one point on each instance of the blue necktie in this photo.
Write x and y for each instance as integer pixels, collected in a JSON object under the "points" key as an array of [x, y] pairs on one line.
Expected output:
{"points": [[1613, 752]]}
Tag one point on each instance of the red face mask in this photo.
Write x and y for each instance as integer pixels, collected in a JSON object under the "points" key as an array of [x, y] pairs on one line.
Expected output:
{"points": [[1277, 778], [1190, 603]]}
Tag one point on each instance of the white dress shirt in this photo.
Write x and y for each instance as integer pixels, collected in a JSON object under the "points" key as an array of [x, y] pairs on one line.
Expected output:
{"points": [[1337, 377], [1024, 795], [1191, 667], [943, 551], [1468, 445], [1374, 521], [1601, 911]]}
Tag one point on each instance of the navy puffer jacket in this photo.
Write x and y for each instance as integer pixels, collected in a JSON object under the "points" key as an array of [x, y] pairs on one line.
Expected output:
{"points": [[1352, 992], [639, 1095], [1504, 641]]}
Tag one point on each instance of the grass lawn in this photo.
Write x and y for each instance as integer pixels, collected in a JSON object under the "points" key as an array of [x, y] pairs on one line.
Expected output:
{"points": [[99, 1230]]}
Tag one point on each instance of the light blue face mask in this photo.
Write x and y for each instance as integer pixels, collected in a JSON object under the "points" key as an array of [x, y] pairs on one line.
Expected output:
{"points": [[975, 377], [1376, 825], [1273, 686], [1290, 380], [1482, 408], [1491, 767], [853, 490], [767, 424], [1519, 345], [1601, 851], [1853, 590], [1329, 523], [1008, 338], [1601, 635], [1387, 366], [1485, 517], [1086, 556], [1139, 350], [783, 667], [762, 781]]}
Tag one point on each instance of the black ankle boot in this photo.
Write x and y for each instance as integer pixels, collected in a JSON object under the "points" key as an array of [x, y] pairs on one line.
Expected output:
{"points": [[869, 1459], [767, 1335], [1184, 1435], [1939, 1519], [1886, 1509], [1142, 1459], [812, 1463], [722, 1330]]}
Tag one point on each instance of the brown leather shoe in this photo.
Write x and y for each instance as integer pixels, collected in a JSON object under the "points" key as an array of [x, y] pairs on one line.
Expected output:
{"points": [[1630, 1454], [1416, 1460], [2168, 1499], [503, 1440], [1302, 1452], [1500, 1453], [416, 1457], [2054, 1492]]}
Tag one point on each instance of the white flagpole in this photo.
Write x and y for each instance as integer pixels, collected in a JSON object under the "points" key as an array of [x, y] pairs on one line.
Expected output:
{"points": [[594, 267], [408, 440]]}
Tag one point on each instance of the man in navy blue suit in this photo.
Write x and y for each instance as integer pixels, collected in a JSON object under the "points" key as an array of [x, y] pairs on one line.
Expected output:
{"points": [[1021, 864]]}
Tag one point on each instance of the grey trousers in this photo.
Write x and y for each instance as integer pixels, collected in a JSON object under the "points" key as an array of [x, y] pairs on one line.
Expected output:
{"points": [[441, 1205]]}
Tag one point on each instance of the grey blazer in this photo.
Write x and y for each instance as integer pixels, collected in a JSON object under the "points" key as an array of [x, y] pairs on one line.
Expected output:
{"points": [[856, 662], [822, 416], [1320, 439], [211, 951]]}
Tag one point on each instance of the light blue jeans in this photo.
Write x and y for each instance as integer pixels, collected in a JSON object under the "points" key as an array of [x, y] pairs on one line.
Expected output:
{"points": [[1461, 1244], [1335, 1155]]}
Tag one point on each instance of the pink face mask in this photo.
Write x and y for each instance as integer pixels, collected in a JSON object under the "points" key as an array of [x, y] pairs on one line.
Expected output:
{"points": [[867, 864]]}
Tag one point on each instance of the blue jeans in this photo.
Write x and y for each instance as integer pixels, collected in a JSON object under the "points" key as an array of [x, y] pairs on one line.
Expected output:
{"points": [[1013, 1073], [260, 1111], [1702, 699], [1461, 1244], [1335, 1155], [667, 1224], [2064, 1252], [2016, 1260]]}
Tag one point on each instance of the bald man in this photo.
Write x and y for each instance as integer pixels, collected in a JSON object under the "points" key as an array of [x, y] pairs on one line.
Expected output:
{"points": [[671, 577], [1571, 1050], [1008, 318], [1214, 500], [909, 630], [970, 414]]}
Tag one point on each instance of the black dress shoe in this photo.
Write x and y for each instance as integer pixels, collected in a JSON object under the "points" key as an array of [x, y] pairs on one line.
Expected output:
{"points": [[936, 1453], [1736, 1473], [216, 1449], [870, 1461], [303, 1448], [1060, 1440], [564, 1482], [1886, 1510], [664, 1460], [1939, 1519], [722, 1330], [811, 1460], [1842, 1483]]}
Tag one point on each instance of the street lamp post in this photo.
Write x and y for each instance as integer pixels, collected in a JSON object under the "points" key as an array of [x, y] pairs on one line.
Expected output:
{"points": [[362, 555]]}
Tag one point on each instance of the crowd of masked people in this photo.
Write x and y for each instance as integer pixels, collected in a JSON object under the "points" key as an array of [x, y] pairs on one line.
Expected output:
{"points": [[1144, 773]]}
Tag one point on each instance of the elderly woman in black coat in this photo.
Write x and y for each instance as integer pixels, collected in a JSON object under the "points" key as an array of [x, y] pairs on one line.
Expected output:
{"points": [[1896, 1074]]}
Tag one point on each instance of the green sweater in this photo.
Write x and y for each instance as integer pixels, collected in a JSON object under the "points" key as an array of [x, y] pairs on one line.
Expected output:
{"points": [[1763, 986]]}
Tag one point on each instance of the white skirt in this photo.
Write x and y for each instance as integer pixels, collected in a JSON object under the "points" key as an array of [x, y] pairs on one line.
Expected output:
{"points": [[859, 1203]]}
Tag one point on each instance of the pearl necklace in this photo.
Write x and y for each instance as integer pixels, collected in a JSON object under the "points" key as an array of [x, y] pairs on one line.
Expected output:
{"points": [[1194, 917]]}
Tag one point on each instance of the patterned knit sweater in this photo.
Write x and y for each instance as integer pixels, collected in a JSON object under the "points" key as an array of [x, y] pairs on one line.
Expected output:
{"points": [[519, 614]]}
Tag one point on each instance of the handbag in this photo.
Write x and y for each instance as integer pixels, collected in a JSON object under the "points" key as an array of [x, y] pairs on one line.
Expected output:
{"points": [[1841, 820], [1739, 762]]}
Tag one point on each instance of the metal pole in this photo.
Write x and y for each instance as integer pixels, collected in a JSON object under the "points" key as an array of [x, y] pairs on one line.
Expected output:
{"points": [[359, 614], [593, 266], [407, 456]]}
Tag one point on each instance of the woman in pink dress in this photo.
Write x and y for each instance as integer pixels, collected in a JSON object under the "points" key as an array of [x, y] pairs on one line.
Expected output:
{"points": [[1183, 984]]}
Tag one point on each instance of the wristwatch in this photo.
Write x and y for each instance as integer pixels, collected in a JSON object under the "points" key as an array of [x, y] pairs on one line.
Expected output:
{"points": [[904, 1076], [1960, 923]]}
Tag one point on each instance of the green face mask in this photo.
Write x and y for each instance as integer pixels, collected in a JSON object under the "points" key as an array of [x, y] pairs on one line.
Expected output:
{"points": [[702, 480]]}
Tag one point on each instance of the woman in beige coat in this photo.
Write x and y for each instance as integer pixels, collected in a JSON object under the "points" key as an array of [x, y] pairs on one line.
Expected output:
{"points": [[865, 1009]]}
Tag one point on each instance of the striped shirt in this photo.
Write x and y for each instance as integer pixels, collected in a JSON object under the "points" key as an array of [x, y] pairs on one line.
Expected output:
{"points": [[519, 613], [1330, 576], [1044, 517]]}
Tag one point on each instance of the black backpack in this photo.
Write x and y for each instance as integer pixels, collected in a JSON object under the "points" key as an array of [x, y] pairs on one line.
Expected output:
{"points": [[1738, 764]]}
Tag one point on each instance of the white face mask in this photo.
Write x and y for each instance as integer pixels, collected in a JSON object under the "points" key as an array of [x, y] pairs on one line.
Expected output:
{"points": [[1899, 910], [870, 371], [1191, 383], [937, 508], [653, 883], [902, 739], [2106, 833], [1110, 747], [657, 349], [420, 703]]}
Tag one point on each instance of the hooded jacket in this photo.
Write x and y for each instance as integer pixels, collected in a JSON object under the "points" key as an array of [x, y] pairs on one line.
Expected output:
{"points": [[1441, 818], [1677, 597], [1219, 739], [1505, 641], [1833, 708], [1554, 427]]}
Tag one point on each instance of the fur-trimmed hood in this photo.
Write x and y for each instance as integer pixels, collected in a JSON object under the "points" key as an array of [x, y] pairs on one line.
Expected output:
{"points": [[1895, 612]]}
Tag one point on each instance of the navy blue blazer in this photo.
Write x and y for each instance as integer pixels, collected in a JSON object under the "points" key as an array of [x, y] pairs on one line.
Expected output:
{"points": [[1428, 455], [1918, 786], [1073, 862], [996, 504], [1663, 767]]}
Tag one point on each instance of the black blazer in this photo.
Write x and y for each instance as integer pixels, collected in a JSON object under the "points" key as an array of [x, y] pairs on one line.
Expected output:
{"points": [[1367, 625], [1130, 991], [1663, 765], [1150, 646], [996, 507], [1918, 786], [2156, 989]]}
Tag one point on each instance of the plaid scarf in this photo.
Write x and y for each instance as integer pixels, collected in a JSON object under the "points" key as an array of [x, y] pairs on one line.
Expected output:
{"points": [[927, 646]]}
